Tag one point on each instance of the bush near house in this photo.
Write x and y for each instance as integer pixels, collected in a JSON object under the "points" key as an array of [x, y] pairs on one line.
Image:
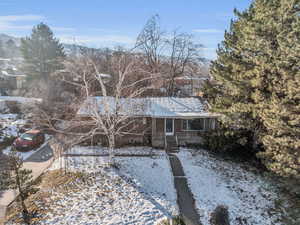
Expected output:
{"points": [[229, 141]]}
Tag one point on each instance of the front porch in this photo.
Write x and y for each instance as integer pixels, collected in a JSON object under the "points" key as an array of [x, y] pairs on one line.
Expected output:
{"points": [[177, 127]]}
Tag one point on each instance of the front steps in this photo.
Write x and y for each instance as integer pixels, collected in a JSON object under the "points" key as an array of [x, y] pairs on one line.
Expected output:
{"points": [[171, 144]]}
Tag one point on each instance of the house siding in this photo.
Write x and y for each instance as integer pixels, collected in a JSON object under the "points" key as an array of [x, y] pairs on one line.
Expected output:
{"points": [[141, 134], [158, 136], [151, 131]]}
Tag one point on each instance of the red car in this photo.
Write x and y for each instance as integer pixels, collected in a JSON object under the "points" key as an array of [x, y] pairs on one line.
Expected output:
{"points": [[29, 140]]}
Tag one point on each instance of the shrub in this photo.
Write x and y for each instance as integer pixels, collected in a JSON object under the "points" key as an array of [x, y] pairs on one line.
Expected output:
{"points": [[14, 107], [176, 220], [6, 141], [220, 216], [235, 142]]}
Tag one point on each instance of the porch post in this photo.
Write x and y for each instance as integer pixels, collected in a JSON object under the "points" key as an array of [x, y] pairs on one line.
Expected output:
{"points": [[153, 126]]}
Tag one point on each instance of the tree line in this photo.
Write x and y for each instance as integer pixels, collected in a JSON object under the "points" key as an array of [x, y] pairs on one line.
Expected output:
{"points": [[167, 54]]}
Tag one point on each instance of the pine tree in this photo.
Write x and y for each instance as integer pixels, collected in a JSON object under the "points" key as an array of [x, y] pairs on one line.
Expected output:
{"points": [[2, 51], [42, 52], [281, 111], [258, 80], [14, 176]]}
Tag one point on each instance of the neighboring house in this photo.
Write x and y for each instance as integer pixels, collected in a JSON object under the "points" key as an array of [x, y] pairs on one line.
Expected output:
{"points": [[10, 77], [12, 81], [11, 103], [190, 85], [183, 119]]}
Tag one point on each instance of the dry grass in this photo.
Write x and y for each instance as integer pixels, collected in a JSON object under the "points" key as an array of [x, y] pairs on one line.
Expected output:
{"points": [[176, 220], [39, 203]]}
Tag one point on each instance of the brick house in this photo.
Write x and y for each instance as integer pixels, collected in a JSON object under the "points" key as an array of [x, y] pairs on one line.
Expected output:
{"points": [[181, 120]]}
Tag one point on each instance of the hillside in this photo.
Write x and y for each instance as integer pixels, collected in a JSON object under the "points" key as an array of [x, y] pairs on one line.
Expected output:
{"points": [[10, 47]]}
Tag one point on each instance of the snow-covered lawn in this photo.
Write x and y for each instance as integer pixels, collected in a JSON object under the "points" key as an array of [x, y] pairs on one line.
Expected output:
{"points": [[140, 192], [216, 182], [142, 150], [152, 176]]}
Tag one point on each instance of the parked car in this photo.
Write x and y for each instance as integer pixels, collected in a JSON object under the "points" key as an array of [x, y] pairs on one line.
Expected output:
{"points": [[29, 140]]}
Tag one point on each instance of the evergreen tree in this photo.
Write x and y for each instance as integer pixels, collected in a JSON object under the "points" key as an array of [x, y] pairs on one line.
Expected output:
{"points": [[258, 80], [14, 176], [2, 51], [42, 52]]}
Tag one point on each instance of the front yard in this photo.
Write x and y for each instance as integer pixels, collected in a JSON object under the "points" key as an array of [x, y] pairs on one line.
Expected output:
{"points": [[250, 197], [140, 190]]}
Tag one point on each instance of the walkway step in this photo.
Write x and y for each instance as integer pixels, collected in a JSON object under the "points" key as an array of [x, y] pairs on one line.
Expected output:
{"points": [[176, 166], [173, 152]]}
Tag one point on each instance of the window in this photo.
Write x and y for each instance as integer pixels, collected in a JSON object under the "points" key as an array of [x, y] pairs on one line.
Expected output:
{"points": [[199, 124], [211, 123], [144, 121], [28, 136], [193, 124]]}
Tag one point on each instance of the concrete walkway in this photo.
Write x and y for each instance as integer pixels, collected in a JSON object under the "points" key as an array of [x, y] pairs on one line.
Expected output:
{"points": [[185, 199], [38, 162]]}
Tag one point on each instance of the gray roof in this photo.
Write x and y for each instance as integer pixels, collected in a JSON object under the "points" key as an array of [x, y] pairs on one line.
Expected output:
{"points": [[159, 107]]}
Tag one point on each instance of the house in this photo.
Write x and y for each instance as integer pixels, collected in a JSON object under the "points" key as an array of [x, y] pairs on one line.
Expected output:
{"points": [[12, 81], [160, 119], [190, 85], [13, 103], [10, 77]]}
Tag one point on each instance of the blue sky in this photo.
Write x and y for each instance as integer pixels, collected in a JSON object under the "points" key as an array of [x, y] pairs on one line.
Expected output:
{"points": [[98, 23]]}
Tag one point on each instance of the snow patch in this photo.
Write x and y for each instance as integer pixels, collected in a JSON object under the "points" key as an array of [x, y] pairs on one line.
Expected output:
{"points": [[119, 151], [215, 182], [141, 192]]}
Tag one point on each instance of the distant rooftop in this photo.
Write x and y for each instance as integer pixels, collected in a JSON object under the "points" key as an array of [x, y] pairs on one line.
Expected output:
{"points": [[5, 73], [5, 59], [19, 99]]}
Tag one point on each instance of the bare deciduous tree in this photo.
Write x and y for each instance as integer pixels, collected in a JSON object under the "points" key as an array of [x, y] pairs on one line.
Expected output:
{"points": [[183, 53], [113, 114], [169, 55], [152, 42]]}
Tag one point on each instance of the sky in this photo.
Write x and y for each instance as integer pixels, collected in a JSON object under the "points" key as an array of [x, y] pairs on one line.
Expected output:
{"points": [[108, 23]]}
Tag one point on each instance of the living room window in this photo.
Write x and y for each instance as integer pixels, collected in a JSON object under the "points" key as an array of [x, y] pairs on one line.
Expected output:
{"points": [[194, 124]]}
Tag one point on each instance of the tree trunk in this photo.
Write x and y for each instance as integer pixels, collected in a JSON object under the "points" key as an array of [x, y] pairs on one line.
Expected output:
{"points": [[25, 213], [111, 141]]}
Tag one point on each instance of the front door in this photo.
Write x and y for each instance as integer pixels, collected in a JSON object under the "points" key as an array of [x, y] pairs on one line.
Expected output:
{"points": [[169, 126]]}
